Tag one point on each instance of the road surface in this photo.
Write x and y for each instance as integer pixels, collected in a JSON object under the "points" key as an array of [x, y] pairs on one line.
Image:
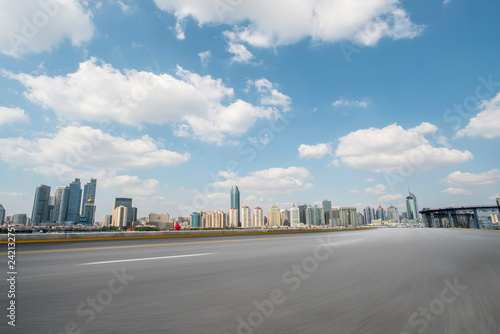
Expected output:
{"points": [[374, 281]]}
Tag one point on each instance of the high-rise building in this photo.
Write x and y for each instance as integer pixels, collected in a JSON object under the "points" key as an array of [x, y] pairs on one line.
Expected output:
{"points": [[2, 214], [119, 218], [234, 215], [302, 213], [348, 217], [195, 219], [40, 205], [380, 213], [392, 213], [258, 217], [107, 220], [74, 202], [89, 211], [126, 202], [61, 200], [326, 205], [314, 215], [89, 191], [273, 216], [246, 217], [369, 214], [361, 219], [235, 202], [334, 217], [498, 203], [19, 219], [294, 216], [412, 206], [285, 217]]}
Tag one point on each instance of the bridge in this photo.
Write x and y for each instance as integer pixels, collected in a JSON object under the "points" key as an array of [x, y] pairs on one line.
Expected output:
{"points": [[464, 217]]}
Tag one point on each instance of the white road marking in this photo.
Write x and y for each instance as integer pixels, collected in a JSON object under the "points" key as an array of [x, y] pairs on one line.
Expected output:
{"points": [[147, 259]]}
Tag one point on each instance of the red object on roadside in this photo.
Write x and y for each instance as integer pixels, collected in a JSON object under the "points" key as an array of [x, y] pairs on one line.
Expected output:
{"points": [[177, 227]]}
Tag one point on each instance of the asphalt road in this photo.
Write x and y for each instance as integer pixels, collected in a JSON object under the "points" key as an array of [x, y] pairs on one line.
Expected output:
{"points": [[378, 281]]}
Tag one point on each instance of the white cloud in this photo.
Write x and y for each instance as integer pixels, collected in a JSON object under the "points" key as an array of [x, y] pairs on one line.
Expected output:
{"points": [[457, 191], [74, 149], [12, 115], [378, 190], [354, 191], [486, 123], [205, 57], [393, 149], [446, 1], [268, 181], [97, 91], [470, 179], [257, 24], [127, 185], [350, 103], [314, 151], [239, 51], [31, 26], [390, 198], [270, 96], [369, 180]]}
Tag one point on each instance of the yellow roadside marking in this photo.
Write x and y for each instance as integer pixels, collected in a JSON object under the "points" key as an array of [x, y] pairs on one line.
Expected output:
{"points": [[153, 245]]}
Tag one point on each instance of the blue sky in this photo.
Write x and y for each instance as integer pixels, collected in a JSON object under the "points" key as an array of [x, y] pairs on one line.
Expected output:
{"points": [[173, 102]]}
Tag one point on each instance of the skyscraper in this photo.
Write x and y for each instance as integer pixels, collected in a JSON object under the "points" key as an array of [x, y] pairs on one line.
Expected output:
{"points": [[2, 214], [89, 191], [326, 205], [273, 216], [314, 215], [61, 200], [348, 217], [195, 219], [126, 202], [411, 206], [75, 199], [89, 211], [380, 213], [119, 218], [40, 205], [246, 217], [392, 213], [285, 217], [302, 213], [294, 216], [369, 214], [235, 201], [258, 217]]}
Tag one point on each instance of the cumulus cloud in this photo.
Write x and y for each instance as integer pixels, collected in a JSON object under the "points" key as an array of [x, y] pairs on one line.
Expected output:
{"points": [[393, 149], [470, 179], [378, 190], [32, 26], [268, 181], [486, 123], [457, 191], [205, 57], [74, 149], [198, 104], [350, 103], [314, 151], [12, 115], [256, 23], [390, 198]]}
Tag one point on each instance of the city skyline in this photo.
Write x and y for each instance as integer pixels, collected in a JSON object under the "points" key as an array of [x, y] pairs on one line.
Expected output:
{"points": [[177, 110]]}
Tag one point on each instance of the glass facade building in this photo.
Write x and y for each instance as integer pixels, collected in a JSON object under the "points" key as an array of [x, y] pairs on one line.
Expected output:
{"points": [[235, 201], [75, 200], [411, 206], [40, 205]]}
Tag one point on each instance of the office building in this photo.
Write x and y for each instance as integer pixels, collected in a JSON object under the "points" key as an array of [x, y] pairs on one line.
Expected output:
{"points": [[19, 219], [273, 216], [380, 214], [314, 215], [106, 220], [119, 218], [361, 219], [61, 201], [233, 217], [369, 214], [40, 205], [89, 191], [285, 217], [126, 202], [235, 202], [195, 219], [326, 207], [258, 217], [392, 213], [294, 216], [2, 214], [302, 213], [348, 217], [412, 206], [246, 217], [334, 217], [89, 211], [74, 202]]}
